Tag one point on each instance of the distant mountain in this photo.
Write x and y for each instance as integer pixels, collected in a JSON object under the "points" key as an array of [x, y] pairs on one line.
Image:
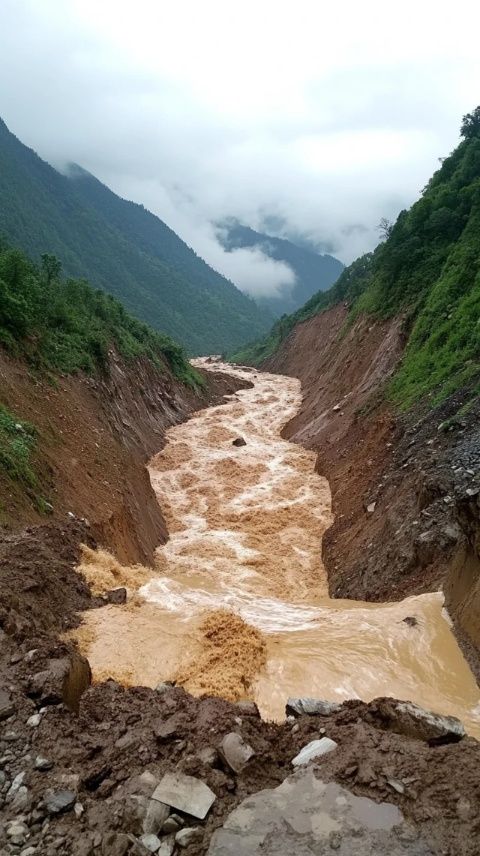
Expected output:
{"points": [[122, 248], [313, 271]]}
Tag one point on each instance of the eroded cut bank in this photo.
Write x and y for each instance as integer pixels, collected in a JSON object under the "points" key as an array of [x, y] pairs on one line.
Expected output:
{"points": [[246, 522]]}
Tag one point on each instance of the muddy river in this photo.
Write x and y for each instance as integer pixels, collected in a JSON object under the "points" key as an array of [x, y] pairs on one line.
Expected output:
{"points": [[238, 603]]}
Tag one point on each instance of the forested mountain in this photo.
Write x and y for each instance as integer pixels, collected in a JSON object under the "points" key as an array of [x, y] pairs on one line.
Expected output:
{"points": [[427, 269], [313, 271], [122, 248]]}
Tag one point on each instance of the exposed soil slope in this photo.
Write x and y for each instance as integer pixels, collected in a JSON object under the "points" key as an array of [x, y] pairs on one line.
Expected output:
{"points": [[405, 494], [95, 436]]}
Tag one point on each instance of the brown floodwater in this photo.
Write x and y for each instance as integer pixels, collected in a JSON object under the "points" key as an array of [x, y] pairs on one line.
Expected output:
{"points": [[238, 602]]}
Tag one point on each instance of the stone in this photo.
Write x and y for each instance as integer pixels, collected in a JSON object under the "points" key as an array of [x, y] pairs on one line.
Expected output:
{"points": [[17, 832], [410, 620], [396, 785], [314, 749], [21, 800], [29, 851], [167, 846], [185, 793], [15, 786], [336, 407], [157, 813], [208, 755], [64, 680], [306, 815], [43, 764], [166, 729], [150, 842], [404, 717], [172, 824], [188, 836], [371, 507], [163, 686], [34, 720], [239, 441], [235, 752], [7, 707], [147, 780], [117, 596], [311, 706], [58, 802]]}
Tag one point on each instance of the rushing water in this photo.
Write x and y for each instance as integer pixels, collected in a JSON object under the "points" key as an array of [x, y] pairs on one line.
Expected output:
{"points": [[245, 529]]}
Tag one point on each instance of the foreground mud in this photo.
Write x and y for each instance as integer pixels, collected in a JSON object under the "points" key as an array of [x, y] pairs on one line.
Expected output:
{"points": [[246, 524]]}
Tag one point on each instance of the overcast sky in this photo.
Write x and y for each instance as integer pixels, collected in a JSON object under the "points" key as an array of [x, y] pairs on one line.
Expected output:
{"points": [[326, 116]]}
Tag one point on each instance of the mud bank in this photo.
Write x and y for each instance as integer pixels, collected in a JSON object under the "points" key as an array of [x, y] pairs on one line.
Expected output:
{"points": [[94, 438], [405, 489]]}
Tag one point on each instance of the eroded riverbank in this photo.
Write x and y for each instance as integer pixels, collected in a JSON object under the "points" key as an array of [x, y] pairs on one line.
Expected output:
{"points": [[245, 529]]}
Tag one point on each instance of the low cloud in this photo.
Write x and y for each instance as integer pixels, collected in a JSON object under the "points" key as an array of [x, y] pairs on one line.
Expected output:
{"points": [[321, 120]]}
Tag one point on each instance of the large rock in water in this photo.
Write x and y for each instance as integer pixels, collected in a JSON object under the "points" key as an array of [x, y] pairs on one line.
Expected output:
{"points": [[305, 816]]}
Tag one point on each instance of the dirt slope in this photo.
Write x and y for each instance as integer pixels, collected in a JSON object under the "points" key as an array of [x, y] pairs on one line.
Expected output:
{"points": [[405, 494], [95, 435]]}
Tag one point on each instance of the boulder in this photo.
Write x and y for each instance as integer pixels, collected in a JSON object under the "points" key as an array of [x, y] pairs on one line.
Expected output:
{"points": [[117, 596], [404, 717], [306, 815], [239, 441], [314, 749], [235, 752], [311, 707], [64, 680], [185, 793]]}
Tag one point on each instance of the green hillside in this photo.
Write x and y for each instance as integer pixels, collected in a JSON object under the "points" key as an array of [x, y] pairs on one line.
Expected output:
{"points": [[428, 269], [123, 249], [313, 271]]}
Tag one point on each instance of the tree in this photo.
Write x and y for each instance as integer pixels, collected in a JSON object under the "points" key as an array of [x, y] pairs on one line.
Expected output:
{"points": [[471, 124], [385, 228], [51, 267]]}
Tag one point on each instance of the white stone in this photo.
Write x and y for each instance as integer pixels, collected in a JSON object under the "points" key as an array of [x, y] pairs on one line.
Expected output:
{"points": [[314, 750], [185, 793]]}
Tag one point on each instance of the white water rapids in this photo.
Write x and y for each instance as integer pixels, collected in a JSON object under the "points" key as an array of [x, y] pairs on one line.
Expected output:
{"points": [[245, 528]]}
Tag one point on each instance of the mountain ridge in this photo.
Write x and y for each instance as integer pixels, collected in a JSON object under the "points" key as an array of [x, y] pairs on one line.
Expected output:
{"points": [[110, 241]]}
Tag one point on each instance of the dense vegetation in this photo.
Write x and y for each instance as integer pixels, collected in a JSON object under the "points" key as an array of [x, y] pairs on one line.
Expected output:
{"points": [[65, 325], [428, 268], [17, 442], [313, 271], [123, 249]]}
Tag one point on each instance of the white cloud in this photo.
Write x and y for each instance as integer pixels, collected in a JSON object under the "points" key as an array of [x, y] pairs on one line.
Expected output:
{"points": [[328, 117]]}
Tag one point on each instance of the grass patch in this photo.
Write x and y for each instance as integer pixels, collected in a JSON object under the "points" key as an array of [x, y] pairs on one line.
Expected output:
{"points": [[17, 443]]}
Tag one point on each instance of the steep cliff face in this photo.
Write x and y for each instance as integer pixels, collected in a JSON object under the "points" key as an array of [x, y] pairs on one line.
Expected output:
{"points": [[405, 487], [94, 436]]}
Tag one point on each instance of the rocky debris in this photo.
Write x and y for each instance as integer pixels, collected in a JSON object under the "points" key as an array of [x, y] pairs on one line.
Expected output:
{"points": [[371, 507], [311, 707], [239, 441], [314, 749], [307, 815], [185, 793], [116, 596], [248, 708], [167, 846], [7, 708], [235, 752], [404, 717]]}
